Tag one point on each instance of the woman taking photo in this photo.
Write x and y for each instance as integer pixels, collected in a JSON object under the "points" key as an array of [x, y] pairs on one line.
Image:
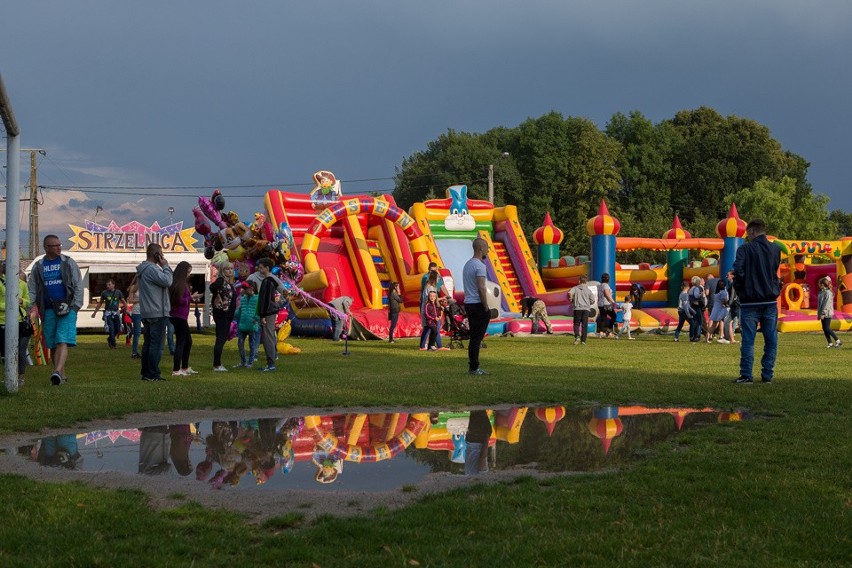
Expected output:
{"points": [[224, 305], [181, 297]]}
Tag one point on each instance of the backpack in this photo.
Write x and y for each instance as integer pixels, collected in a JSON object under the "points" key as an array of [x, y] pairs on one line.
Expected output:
{"points": [[697, 302]]}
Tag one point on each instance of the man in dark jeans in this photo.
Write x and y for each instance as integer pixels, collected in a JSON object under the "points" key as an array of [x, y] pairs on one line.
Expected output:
{"points": [[267, 310], [583, 301], [154, 277], [758, 287], [475, 303]]}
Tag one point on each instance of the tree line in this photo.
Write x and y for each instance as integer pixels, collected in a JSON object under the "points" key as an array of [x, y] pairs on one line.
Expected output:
{"points": [[694, 164]]}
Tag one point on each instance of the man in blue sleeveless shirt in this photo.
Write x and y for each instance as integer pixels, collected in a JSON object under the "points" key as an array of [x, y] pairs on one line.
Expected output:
{"points": [[56, 291]]}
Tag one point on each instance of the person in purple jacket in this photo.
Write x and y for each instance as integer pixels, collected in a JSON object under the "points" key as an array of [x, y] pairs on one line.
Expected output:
{"points": [[181, 296]]}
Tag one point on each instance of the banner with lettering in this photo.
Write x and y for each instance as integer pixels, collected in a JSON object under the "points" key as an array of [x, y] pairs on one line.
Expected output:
{"points": [[132, 237]]}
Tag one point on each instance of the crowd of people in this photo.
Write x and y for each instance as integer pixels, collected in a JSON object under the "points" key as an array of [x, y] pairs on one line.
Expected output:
{"points": [[158, 301]]}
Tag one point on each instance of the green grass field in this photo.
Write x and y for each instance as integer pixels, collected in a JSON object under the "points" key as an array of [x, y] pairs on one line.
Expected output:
{"points": [[774, 491]]}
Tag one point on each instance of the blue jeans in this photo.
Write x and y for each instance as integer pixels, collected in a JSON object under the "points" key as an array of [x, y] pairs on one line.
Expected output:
{"points": [[431, 336], [393, 318], [767, 316], [152, 346], [695, 325], [336, 328], [137, 331], [170, 335], [254, 340], [682, 318], [113, 325]]}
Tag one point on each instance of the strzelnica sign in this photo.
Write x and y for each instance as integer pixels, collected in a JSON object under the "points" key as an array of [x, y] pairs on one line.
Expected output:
{"points": [[132, 237]]}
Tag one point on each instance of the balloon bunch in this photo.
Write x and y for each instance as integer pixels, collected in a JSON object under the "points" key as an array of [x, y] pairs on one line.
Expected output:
{"points": [[226, 236]]}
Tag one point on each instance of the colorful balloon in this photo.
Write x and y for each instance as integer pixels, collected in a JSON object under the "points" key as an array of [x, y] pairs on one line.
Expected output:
{"points": [[218, 200]]}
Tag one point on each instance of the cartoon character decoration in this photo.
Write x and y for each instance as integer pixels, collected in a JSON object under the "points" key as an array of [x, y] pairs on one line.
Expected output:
{"points": [[243, 268], [328, 465], [285, 348], [227, 239], [209, 208], [459, 218], [284, 254], [457, 427], [286, 432], [326, 191], [233, 238], [261, 228]]}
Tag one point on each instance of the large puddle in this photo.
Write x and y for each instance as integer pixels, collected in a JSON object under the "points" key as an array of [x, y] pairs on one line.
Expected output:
{"points": [[372, 452]]}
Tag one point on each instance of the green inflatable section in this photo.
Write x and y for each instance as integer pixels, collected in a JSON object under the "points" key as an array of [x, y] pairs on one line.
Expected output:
{"points": [[439, 231]]}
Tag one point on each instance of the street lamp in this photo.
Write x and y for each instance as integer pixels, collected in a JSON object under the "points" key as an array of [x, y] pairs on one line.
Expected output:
{"points": [[491, 178], [171, 215]]}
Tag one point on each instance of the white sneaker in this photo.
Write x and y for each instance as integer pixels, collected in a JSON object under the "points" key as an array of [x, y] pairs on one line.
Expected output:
{"points": [[189, 371], [723, 340], [178, 374], [838, 343], [220, 369]]}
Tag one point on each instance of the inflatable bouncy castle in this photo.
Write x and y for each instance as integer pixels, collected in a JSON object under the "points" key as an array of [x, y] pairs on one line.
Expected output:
{"points": [[357, 245], [803, 264]]}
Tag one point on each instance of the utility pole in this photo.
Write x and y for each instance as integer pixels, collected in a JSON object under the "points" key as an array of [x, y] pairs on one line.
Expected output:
{"points": [[491, 178], [33, 244], [33, 205]]}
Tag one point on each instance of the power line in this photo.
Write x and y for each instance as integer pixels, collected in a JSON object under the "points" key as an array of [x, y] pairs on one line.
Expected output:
{"points": [[239, 186]]}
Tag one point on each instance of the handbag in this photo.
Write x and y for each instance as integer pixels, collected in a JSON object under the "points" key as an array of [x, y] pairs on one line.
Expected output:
{"points": [[61, 307], [25, 326]]}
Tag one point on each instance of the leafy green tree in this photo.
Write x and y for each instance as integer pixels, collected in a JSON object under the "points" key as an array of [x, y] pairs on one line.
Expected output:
{"points": [[693, 165], [644, 205], [720, 156], [773, 202], [843, 221], [568, 165]]}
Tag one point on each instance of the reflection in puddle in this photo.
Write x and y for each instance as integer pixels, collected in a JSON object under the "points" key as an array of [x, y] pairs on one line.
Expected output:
{"points": [[374, 452]]}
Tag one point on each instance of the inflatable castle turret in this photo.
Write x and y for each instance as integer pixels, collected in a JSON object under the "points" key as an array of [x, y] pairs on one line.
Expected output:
{"points": [[732, 231], [605, 425], [548, 237], [550, 415], [676, 260], [602, 229]]}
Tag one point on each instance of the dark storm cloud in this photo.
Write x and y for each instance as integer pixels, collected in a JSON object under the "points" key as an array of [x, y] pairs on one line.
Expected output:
{"points": [[220, 93]]}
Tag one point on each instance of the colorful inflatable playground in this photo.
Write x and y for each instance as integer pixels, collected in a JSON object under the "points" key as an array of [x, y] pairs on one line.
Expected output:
{"points": [[326, 245]]}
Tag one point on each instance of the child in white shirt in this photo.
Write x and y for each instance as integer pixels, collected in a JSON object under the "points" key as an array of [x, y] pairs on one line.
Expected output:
{"points": [[626, 314]]}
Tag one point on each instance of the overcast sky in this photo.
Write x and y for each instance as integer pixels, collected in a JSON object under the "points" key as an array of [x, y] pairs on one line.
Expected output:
{"points": [[215, 93]]}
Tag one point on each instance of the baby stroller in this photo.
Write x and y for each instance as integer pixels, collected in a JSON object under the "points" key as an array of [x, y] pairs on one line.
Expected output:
{"points": [[455, 324]]}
